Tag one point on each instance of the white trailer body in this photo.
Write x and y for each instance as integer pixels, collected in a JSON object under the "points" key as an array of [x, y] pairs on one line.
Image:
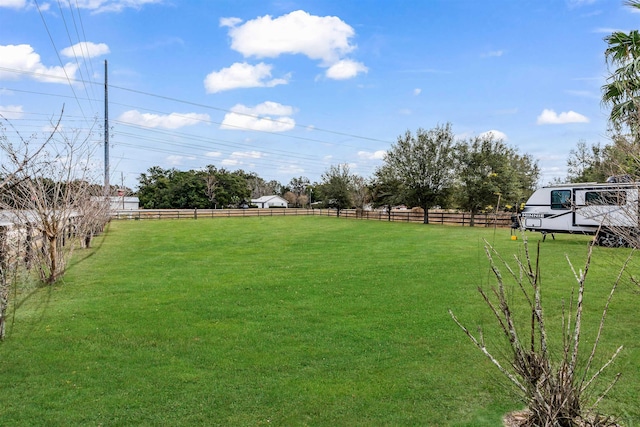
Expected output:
{"points": [[581, 208]]}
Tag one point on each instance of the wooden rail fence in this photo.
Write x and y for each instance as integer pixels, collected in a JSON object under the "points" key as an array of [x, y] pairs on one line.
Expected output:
{"points": [[463, 219]]}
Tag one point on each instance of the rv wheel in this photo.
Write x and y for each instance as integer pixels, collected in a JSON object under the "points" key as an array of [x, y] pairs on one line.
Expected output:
{"points": [[608, 240]]}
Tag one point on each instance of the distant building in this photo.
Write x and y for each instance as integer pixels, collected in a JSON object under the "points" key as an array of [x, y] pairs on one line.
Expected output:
{"points": [[270, 202], [122, 203]]}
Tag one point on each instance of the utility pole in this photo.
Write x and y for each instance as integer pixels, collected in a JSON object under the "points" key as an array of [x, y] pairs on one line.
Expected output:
{"points": [[122, 188], [107, 187]]}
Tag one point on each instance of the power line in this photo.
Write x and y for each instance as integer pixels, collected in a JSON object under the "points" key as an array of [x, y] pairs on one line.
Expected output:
{"points": [[59, 59], [71, 45], [210, 107], [293, 157], [85, 55], [168, 98]]}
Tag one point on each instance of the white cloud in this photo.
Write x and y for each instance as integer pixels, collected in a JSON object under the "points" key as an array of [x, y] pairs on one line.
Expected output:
{"points": [[579, 3], [583, 94], [23, 58], [319, 37], [290, 170], [496, 134], [417, 91], [99, 6], [176, 160], [11, 112], [323, 38], [85, 49], [345, 69], [229, 22], [247, 155], [240, 158], [96, 6], [242, 75], [493, 54], [213, 154], [550, 117], [230, 162], [376, 155], [260, 118], [13, 4], [607, 30], [170, 121]]}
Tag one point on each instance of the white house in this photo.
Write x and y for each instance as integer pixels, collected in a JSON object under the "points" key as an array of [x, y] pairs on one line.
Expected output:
{"points": [[270, 202]]}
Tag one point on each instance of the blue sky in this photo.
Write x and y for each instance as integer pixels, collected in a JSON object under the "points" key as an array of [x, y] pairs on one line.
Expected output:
{"points": [[286, 88]]}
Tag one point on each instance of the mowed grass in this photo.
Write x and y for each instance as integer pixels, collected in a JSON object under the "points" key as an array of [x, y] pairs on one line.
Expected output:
{"points": [[289, 321]]}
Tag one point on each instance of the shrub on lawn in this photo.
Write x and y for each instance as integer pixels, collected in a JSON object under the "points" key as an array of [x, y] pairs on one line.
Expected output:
{"points": [[553, 390]]}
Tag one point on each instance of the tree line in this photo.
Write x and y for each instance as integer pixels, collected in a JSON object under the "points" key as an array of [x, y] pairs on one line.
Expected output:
{"points": [[423, 169]]}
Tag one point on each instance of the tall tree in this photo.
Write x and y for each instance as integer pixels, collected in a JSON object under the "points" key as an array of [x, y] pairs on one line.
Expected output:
{"points": [[385, 189], [336, 187], [298, 189], [587, 163], [423, 166], [209, 188], [233, 188], [487, 169]]}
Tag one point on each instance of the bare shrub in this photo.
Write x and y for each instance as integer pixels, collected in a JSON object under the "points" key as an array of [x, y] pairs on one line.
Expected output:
{"points": [[50, 195], [15, 158], [553, 390]]}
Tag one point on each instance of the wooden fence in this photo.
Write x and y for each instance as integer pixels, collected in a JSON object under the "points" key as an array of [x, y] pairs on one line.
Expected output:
{"points": [[435, 217], [19, 239]]}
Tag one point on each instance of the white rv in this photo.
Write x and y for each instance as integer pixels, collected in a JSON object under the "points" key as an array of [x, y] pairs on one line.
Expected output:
{"points": [[584, 208]]}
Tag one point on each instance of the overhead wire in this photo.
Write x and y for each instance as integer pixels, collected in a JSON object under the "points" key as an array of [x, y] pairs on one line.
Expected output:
{"points": [[206, 139], [168, 98], [280, 134], [72, 46], [300, 160], [197, 150], [225, 110], [87, 59], [59, 58]]}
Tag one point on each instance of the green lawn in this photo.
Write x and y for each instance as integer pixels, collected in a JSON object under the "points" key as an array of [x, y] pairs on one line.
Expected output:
{"points": [[287, 321]]}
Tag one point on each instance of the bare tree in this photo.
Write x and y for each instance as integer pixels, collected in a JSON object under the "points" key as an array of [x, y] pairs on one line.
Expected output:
{"points": [[554, 390], [291, 198], [51, 194], [360, 193], [15, 159], [94, 214], [211, 182]]}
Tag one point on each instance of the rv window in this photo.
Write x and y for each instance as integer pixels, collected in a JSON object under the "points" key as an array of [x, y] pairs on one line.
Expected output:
{"points": [[605, 198], [560, 199]]}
